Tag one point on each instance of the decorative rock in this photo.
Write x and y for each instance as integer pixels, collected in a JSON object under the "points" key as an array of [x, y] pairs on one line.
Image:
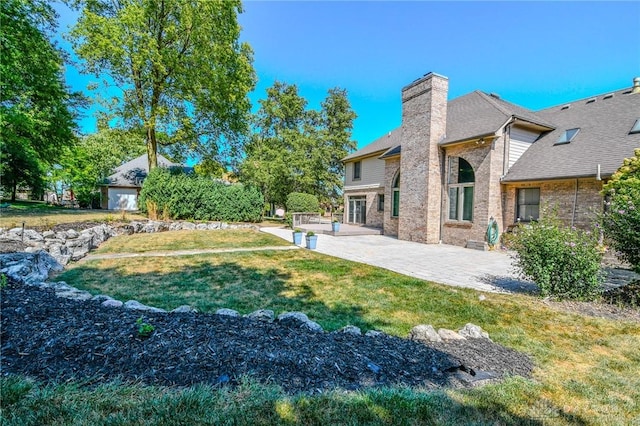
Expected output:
{"points": [[311, 325], [449, 335], [75, 294], [351, 329], [47, 235], [227, 312], [298, 316], [72, 234], [188, 225], [137, 306], [473, 331], [425, 333], [374, 333], [184, 309], [262, 315], [202, 227], [101, 297], [213, 225], [112, 303], [28, 267]]}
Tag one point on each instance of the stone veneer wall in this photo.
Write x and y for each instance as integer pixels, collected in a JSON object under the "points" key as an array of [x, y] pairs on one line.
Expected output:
{"points": [[487, 163], [424, 123], [392, 166], [561, 195]]}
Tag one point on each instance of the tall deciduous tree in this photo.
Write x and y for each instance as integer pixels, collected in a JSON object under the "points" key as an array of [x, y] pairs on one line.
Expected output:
{"points": [[298, 150], [179, 64], [95, 157], [36, 108]]}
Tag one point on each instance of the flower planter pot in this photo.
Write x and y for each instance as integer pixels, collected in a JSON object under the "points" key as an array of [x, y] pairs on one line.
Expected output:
{"points": [[312, 241], [297, 238], [335, 226]]}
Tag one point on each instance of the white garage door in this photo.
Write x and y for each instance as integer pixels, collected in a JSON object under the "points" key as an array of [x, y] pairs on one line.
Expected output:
{"points": [[123, 199]]}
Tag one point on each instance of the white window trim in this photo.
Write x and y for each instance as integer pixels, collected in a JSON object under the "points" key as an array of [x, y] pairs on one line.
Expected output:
{"points": [[460, 201]]}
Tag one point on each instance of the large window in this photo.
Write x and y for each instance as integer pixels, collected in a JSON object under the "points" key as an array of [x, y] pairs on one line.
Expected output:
{"points": [[395, 208], [461, 182], [356, 170], [528, 204]]}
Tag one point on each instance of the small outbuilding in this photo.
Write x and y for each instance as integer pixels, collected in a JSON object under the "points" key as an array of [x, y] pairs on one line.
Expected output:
{"points": [[120, 190]]}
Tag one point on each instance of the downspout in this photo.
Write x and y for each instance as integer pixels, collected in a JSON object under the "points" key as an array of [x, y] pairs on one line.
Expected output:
{"points": [[575, 202]]}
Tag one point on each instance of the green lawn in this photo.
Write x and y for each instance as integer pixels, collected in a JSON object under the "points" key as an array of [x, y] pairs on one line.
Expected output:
{"points": [[588, 369], [40, 214], [187, 240]]}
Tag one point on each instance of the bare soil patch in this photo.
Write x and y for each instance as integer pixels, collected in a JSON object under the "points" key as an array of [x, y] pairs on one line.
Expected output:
{"points": [[56, 339]]}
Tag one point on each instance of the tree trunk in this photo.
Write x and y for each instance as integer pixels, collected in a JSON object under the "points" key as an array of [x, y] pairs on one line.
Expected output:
{"points": [[152, 148], [14, 189]]}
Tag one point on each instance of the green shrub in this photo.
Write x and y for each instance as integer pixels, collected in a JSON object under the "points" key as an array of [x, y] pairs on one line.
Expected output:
{"points": [[190, 197], [300, 202], [621, 220], [564, 262]]}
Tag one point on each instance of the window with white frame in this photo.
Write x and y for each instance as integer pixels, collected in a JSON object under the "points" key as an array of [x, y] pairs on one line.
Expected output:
{"points": [[528, 204], [395, 202], [461, 183], [380, 202]]}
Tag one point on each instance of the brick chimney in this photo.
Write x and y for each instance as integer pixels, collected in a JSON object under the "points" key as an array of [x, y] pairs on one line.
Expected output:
{"points": [[424, 123]]}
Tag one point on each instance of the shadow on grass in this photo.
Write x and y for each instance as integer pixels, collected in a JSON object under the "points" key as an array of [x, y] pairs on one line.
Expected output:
{"points": [[208, 287], [30, 403]]}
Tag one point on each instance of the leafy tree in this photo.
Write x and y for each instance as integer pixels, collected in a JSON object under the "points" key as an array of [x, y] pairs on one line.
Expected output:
{"points": [[298, 150], [621, 220], [36, 108], [179, 65], [95, 156]]}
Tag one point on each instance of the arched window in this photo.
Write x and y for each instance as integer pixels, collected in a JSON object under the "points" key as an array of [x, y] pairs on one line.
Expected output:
{"points": [[395, 206], [461, 182]]}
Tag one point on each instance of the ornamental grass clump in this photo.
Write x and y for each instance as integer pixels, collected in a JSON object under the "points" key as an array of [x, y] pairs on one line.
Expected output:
{"points": [[563, 261]]}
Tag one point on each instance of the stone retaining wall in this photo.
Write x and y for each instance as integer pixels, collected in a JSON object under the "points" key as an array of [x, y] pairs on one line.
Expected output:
{"points": [[72, 245]]}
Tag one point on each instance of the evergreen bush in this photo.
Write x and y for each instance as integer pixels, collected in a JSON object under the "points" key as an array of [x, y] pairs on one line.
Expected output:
{"points": [[190, 197]]}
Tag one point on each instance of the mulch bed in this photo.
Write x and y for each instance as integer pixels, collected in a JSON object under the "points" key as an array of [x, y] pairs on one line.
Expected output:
{"points": [[56, 339]]}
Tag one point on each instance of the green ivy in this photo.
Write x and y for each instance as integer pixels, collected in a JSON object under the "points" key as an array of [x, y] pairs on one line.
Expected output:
{"points": [[181, 196]]}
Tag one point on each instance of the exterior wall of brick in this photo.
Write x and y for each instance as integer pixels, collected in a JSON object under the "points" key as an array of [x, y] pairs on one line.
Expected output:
{"points": [[487, 161], [392, 167], [563, 196], [424, 122], [373, 217]]}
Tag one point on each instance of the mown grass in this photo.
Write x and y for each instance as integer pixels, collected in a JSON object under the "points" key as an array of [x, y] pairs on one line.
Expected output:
{"points": [[588, 369], [40, 214], [189, 240]]}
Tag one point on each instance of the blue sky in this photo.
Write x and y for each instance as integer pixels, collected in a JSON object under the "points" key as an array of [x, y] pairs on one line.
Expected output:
{"points": [[534, 54]]}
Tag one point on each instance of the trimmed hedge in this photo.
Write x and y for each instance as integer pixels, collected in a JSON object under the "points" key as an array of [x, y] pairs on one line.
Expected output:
{"points": [[176, 195], [299, 202]]}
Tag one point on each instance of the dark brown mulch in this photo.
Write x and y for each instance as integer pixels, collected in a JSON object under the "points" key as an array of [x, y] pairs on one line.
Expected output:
{"points": [[56, 339], [627, 295]]}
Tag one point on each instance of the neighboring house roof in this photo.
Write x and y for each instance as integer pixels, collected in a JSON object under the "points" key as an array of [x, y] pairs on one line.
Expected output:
{"points": [[604, 122], [132, 173]]}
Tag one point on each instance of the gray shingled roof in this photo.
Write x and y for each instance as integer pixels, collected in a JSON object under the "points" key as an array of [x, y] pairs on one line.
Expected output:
{"points": [[603, 139], [472, 115], [477, 114], [132, 173], [390, 140]]}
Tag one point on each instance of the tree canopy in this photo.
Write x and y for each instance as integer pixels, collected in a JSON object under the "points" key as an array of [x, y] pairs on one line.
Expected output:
{"points": [[294, 149], [179, 65], [37, 110]]}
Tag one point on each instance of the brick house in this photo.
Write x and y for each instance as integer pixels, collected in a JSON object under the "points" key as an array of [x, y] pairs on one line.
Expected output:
{"points": [[454, 164]]}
